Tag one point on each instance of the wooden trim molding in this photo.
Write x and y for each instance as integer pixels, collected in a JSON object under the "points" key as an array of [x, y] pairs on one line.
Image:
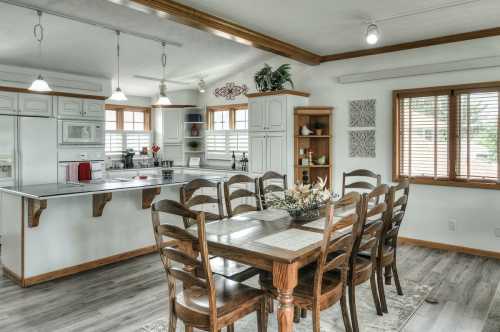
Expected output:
{"points": [[222, 28], [173, 106], [227, 107], [12, 276], [449, 247], [279, 92], [52, 93], [26, 282], [414, 44], [35, 209], [99, 201]]}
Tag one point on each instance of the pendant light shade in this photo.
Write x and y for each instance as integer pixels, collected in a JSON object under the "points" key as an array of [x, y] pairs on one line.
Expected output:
{"points": [[202, 87], [118, 94], [372, 35], [39, 85], [163, 100]]}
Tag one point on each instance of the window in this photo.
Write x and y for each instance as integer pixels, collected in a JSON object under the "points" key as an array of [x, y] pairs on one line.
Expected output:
{"points": [[448, 135], [227, 131], [127, 128]]}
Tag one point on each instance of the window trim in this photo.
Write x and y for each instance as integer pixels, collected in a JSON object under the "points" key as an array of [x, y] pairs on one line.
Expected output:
{"points": [[232, 108], [119, 114], [452, 91]]}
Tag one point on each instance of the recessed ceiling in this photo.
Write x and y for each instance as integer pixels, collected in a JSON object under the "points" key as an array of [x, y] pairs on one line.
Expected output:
{"points": [[79, 48], [335, 26]]}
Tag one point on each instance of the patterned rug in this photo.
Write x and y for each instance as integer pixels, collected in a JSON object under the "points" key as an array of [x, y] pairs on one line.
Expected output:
{"points": [[401, 309]]}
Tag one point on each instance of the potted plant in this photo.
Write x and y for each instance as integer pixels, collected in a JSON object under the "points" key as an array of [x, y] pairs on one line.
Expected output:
{"points": [[194, 145], [268, 80], [318, 128]]}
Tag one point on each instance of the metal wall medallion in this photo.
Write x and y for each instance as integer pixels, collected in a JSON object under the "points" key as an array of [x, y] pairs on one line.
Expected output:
{"points": [[362, 143], [231, 90], [362, 113]]}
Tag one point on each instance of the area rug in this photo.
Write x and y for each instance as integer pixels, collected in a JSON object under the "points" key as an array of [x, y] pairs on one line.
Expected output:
{"points": [[401, 309]]}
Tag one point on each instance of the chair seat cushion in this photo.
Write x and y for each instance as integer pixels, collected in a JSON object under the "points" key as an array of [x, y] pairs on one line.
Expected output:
{"points": [[231, 269], [229, 296]]}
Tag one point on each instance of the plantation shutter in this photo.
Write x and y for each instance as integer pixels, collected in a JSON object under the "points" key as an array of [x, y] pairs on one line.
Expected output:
{"points": [[113, 142], [478, 137], [220, 144], [137, 140], [423, 136]]}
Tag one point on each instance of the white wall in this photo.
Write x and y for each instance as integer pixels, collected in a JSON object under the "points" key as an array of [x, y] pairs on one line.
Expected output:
{"points": [[476, 211], [132, 101]]}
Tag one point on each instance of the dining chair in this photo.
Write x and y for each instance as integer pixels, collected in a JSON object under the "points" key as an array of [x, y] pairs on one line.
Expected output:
{"points": [[202, 195], [236, 190], [270, 183], [207, 301], [314, 291], [366, 235], [396, 201], [363, 181]]}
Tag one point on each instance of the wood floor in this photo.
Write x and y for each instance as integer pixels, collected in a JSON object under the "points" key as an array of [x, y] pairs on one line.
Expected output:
{"points": [[126, 296]]}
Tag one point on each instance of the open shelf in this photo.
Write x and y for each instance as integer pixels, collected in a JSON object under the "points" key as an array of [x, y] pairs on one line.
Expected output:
{"points": [[313, 136], [192, 151], [313, 166], [190, 122], [193, 137]]}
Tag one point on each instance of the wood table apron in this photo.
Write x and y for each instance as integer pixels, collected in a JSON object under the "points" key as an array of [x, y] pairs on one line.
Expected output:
{"points": [[284, 264]]}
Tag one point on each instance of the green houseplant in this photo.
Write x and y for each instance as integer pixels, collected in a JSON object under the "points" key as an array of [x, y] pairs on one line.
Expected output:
{"points": [[268, 80]]}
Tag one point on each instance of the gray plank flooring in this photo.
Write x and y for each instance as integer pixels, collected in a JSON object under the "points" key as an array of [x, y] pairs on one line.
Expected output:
{"points": [[128, 295]]}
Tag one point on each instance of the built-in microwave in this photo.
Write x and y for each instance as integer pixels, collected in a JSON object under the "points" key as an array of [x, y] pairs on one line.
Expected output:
{"points": [[81, 132]]}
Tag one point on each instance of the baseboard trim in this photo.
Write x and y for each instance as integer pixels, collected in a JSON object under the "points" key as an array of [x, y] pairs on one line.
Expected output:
{"points": [[26, 282], [449, 247], [12, 276]]}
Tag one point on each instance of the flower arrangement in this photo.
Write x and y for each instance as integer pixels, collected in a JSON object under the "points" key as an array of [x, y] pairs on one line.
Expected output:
{"points": [[303, 201]]}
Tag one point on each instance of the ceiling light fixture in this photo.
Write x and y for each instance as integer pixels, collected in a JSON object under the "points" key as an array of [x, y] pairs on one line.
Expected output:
{"points": [[39, 85], [163, 100], [202, 87], [118, 94], [372, 35]]}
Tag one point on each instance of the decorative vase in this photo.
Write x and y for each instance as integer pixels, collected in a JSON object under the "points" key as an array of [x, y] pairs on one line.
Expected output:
{"points": [[304, 131], [319, 132]]}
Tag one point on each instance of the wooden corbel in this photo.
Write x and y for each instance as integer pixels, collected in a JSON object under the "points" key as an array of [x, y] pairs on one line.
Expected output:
{"points": [[99, 202], [148, 195], [35, 208]]}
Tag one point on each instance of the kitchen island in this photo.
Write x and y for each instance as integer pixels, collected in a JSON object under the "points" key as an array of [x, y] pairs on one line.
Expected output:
{"points": [[55, 230]]}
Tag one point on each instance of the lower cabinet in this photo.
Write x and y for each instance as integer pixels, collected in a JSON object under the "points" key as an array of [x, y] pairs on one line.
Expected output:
{"points": [[267, 152]]}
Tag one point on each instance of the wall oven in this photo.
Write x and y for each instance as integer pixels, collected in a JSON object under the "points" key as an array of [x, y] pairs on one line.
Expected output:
{"points": [[81, 132]]}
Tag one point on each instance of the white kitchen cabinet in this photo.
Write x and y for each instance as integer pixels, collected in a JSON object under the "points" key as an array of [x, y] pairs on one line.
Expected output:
{"points": [[69, 108], [35, 105], [267, 113], [267, 153], [257, 114], [173, 125], [93, 109], [8, 102], [257, 153]]}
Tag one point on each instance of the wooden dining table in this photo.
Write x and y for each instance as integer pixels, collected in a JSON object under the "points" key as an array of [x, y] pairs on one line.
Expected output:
{"points": [[270, 241]]}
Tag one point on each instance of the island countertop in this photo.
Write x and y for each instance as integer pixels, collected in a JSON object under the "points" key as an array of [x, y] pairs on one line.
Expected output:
{"points": [[55, 190]]}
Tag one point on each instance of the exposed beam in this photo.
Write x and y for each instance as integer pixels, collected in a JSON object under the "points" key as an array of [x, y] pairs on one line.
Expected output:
{"points": [[197, 19], [414, 44]]}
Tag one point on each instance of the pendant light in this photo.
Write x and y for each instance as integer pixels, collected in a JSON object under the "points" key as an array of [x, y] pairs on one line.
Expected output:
{"points": [[118, 94], [39, 85], [372, 34], [163, 100], [202, 87]]}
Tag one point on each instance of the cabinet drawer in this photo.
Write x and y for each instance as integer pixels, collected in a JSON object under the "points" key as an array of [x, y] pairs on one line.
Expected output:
{"points": [[69, 108], [35, 105], [8, 102]]}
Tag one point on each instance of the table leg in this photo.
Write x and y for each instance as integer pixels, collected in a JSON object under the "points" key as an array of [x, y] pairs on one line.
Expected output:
{"points": [[285, 280]]}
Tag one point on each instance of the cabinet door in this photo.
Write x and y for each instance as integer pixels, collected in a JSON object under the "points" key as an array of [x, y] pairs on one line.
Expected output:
{"points": [[36, 105], [93, 109], [276, 113], [276, 152], [8, 102], [257, 114], [257, 153], [173, 126], [69, 108]]}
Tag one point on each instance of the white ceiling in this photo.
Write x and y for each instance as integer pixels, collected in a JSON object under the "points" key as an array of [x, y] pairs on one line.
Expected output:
{"points": [[79, 48], [333, 26]]}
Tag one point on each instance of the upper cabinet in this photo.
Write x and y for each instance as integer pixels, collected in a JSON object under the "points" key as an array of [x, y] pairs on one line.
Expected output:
{"points": [[267, 113], [8, 102], [76, 108], [173, 125], [35, 105]]}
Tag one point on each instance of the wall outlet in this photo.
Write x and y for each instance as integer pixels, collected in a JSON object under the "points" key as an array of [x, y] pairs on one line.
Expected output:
{"points": [[452, 225], [497, 231]]}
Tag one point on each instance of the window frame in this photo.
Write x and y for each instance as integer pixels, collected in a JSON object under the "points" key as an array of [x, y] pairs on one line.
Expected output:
{"points": [[232, 108], [453, 92], [120, 109]]}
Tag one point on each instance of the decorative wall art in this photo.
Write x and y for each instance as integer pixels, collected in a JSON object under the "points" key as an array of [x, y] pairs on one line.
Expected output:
{"points": [[362, 143], [230, 90], [362, 113]]}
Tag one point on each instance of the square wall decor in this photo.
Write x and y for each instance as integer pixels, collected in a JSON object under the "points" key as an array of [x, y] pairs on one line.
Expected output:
{"points": [[362, 143], [362, 113]]}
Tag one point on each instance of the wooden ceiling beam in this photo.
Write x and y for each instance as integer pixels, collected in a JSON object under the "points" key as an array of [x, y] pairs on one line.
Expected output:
{"points": [[197, 19], [415, 44]]}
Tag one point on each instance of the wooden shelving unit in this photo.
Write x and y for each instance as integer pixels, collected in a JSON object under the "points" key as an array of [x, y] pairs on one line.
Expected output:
{"points": [[317, 144]]}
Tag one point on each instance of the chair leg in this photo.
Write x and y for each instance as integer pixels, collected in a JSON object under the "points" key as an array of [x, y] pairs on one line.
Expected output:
{"points": [[296, 314], [388, 275], [396, 277], [345, 314], [381, 290], [172, 322], [303, 313], [188, 328], [270, 305], [352, 307], [230, 328], [316, 318], [373, 286], [262, 316]]}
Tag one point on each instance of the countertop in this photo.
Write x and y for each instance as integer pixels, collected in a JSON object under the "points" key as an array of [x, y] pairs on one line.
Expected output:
{"points": [[54, 190], [202, 168]]}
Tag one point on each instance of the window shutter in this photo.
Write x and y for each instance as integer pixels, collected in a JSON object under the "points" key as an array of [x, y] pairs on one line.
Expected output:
{"points": [[113, 142], [137, 140], [478, 140], [220, 144], [423, 136]]}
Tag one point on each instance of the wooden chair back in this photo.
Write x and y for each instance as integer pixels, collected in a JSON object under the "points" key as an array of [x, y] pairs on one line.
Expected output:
{"points": [[202, 276], [365, 181], [271, 182], [241, 193], [396, 201], [191, 197]]}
